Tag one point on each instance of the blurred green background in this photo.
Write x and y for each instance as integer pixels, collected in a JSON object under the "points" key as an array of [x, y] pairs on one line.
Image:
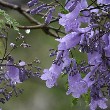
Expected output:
{"points": [[36, 95]]}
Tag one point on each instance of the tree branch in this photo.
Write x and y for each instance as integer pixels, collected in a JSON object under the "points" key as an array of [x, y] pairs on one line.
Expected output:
{"points": [[37, 24]]}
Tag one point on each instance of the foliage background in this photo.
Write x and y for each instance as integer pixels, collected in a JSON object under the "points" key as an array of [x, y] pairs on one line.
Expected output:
{"points": [[36, 95]]}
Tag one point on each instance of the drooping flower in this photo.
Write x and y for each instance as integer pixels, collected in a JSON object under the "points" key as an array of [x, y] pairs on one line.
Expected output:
{"points": [[103, 1], [69, 41], [94, 58], [89, 78], [88, 34], [51, 75], [101, 102], [71, 4], [106, 39], [49, 15], [12, 72], [107, 51], [32, 3], [72, 20], [77, 86], [38, 9]]}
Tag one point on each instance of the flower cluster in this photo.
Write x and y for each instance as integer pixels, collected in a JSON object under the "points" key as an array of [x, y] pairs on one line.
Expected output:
{"points": [[50, 8], [87, 27], [12, 74]]}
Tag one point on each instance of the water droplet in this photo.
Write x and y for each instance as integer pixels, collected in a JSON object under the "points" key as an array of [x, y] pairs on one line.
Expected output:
{"points": [[12, 44], [22, 63], [96, 45], [80, 50], [27, 31]]}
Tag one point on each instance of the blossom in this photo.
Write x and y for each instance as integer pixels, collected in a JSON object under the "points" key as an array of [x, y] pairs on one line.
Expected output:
{"points": [[88, 78], [72, 20], [51, 75], [49, 15], [99, 102], [71, 4], [107, 51], [38, 9], [66, 59], [94, 58], [32, 3], [106, 39], [103, 1], [91, 36], [69, 41], [77, 86], [12, 72]]}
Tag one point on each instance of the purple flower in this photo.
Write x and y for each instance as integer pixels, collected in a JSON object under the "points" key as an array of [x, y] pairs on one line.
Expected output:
{"points": [[71, 4], [32, 3], [106, 39], [69, 41], [84, 4], [51, 75], [66, 59], [77, 86], [92, 37], [94, 58], [49, 15], [107, 51], [94, 10], [103, 1], [88, 78], [12, 72], [72, 20], [38, 9], [101, 102]]}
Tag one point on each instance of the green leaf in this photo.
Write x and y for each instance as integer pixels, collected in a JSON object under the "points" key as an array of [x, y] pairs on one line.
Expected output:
{"points": [[6, 19], [2, 24], [74, 101], [86, 98], [63, 75], [64, 11], [1, 48]]}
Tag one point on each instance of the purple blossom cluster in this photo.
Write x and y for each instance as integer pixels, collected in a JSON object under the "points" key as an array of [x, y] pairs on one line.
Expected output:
{"points": [[12, 74], [87, 27], [50, 8]]}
